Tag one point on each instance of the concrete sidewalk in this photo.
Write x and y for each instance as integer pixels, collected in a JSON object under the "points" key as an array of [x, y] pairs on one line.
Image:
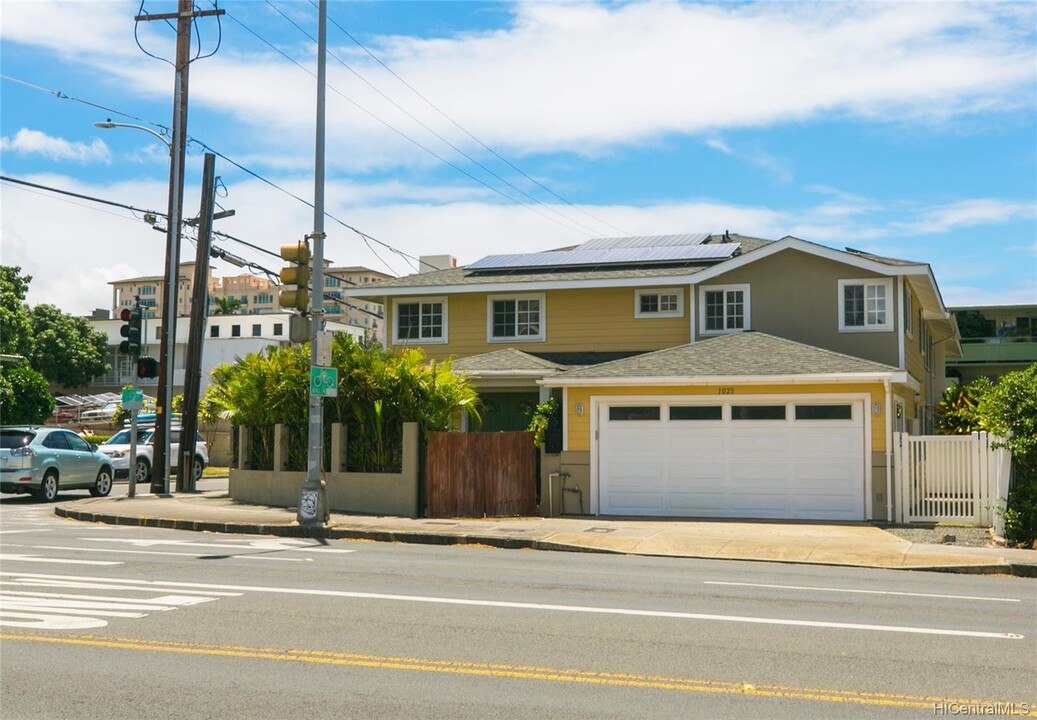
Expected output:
{"points": [[857, 545]]}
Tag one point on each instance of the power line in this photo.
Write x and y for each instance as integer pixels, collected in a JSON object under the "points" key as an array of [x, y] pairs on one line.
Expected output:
{"points": [[91, 198], [429, 129], [465, 130], [399, 132]]}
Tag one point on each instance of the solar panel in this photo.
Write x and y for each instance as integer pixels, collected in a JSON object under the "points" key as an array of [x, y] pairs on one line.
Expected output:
{"points": [[606, 256], [640, 241]]}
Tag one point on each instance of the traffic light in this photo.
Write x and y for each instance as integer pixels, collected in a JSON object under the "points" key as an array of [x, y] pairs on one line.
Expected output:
{"points": [[130, 330], [147, 367], [297, 274]]}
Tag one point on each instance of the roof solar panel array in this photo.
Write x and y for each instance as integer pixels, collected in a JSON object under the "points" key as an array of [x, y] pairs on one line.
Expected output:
{"points": [[643, 241], [607, 256]]}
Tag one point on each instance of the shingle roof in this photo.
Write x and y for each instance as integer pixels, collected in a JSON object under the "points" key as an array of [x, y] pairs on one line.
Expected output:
{"points": [[502, 361], [464, 276], [739, 354]]}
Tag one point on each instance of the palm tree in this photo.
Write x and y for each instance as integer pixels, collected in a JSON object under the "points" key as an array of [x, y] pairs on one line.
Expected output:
{"points": [[225, 305]]}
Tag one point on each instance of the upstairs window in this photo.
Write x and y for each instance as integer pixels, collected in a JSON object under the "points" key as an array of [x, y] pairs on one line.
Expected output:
{"points": [[724, 309], [515, 318], [865, 305], [423, 321], [668, 302]]}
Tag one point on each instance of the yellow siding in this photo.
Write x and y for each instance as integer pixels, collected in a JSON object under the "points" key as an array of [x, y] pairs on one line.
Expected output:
{"points": [[568, 330], [578, 427]]}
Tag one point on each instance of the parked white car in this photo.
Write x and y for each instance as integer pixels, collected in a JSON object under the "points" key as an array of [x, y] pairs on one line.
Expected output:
{"points": [[117, 447]]}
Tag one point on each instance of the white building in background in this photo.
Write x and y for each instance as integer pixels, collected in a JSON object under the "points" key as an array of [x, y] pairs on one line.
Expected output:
{"points": [[227, 338]]}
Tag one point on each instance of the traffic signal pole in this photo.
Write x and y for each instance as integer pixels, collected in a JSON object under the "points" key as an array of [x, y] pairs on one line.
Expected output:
{"points": [[313, 496]]}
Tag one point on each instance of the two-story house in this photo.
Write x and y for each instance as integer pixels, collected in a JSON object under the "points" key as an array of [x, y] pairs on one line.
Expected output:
{"points": [[699, 375]]}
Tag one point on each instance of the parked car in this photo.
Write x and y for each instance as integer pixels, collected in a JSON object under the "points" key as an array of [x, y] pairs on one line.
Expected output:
{"points": [[117, 447], [105, 413], [44, 460]]}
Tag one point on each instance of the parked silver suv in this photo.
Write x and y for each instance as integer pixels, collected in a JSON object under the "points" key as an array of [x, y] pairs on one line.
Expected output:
{"points": [[117, 447]]}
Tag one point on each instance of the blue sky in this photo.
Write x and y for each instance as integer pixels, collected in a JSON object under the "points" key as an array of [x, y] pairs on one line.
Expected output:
{"points": [[905, 129]]}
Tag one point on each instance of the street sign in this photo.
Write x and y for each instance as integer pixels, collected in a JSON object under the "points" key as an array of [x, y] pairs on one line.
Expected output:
{"points": [[132, 399], [324, 382], [324, 348]]}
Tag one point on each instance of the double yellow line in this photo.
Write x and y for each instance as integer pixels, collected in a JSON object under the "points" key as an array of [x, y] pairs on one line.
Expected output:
{"points": [[522, 672]]}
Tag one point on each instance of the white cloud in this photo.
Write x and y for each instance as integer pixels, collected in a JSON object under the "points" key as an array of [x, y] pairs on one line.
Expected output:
{"points": [[584, 77], [980, 211], [34, 142]]}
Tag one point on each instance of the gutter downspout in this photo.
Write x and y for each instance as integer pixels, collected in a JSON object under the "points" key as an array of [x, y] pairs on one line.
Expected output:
{"points": [[889, 451]]}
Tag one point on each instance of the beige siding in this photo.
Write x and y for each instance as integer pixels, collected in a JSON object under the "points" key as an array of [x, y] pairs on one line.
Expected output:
{"points": [[576, 321], [796, 296]]}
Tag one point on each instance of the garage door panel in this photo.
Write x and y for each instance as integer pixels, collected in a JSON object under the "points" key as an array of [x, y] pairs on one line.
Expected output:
{"points": [[793, 468]]}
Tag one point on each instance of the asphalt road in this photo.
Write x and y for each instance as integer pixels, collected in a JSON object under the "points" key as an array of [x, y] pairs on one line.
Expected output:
{"points": [[115, 622]]}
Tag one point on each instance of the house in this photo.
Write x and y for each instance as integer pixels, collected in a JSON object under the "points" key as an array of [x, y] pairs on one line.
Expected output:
{"points": [[699, 375], [996, 339]]}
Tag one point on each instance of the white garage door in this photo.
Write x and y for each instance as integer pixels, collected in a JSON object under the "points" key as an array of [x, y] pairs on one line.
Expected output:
{"points": [[796, 459]]}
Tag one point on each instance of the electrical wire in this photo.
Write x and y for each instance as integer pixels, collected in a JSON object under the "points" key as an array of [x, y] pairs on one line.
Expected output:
{"points": [[465, 130], [91, 198], [432, 131]]}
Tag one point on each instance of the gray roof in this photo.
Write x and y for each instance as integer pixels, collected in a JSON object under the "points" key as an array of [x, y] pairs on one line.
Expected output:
{"points": [[739, 354], [466, 276], [502, 361]]}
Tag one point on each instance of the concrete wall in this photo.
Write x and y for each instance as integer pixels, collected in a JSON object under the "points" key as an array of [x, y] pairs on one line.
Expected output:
{"points": [[365, 493]]}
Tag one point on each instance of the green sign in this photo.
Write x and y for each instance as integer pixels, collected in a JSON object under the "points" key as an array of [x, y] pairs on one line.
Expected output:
{"points": [[132, 399], [324, 382]]}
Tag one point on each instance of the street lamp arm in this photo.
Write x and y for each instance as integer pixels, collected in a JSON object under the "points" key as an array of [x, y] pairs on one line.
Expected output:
{"points": [[108, 125]]}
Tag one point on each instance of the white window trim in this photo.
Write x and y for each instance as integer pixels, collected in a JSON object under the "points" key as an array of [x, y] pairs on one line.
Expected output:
{"points": [[887, 283], [746, 314], [396, 340], [679, 312], [542, 337]]}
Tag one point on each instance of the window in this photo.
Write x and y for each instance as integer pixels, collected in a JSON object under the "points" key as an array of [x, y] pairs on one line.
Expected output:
{"points": [[235, 331], [264, 299], [56, 441], [257, 330], [865, 305], [147, 289], [824, 412], [515, 318], [77, 443], [703, 412], [214, 331], [332, 281], [634, 413], [757, 412], [909, 311], [278, 329], [725, 308], [668, 302], [158, 332], [423, 321]]}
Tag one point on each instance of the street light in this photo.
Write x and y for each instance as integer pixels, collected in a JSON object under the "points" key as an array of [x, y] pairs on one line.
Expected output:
{"points": [[168, 342]]}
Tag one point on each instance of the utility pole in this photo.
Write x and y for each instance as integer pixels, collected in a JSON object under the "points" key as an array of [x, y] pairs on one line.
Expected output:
{"points": [[313, 496], [184, 16], [185, 481]]}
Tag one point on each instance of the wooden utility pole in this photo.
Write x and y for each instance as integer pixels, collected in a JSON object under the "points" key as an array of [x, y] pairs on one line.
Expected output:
{"points": [[184, 17]]}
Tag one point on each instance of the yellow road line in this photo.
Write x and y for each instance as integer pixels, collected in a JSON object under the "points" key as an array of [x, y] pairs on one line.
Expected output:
{"points": [[525, 672]]}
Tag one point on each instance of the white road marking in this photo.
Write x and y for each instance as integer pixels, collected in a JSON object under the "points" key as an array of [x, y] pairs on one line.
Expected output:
{"points": [[865, 592], [46, 621], [568, 608], [7, 557], [12, 532], [162, 552], [251, 545], [101, 585]]}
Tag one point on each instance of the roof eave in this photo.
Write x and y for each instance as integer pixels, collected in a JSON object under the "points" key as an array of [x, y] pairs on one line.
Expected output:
{"points": [[897, 376]]}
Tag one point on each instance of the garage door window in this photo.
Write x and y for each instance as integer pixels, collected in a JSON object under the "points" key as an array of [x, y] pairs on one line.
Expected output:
{"points": [[757, 412], [697, 412], [634, 413], [824, 412]]}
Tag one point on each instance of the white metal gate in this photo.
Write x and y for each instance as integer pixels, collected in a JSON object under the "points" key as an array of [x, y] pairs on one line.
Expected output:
{"points": [[943, 478]]}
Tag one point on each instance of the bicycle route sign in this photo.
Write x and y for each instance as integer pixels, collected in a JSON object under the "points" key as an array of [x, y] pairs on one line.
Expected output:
{"points": [[324, 382]]}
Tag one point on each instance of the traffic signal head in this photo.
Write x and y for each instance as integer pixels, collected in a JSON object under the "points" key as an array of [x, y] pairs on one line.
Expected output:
{"points": [[147, 367], [130, 330], [297, 274]]}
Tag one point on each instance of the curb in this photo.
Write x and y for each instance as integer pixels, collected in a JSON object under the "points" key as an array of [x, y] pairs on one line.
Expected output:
{"points": [[504, 543]]}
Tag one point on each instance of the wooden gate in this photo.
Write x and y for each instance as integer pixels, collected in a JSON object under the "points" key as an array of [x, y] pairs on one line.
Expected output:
{"points": [[480, 474]]}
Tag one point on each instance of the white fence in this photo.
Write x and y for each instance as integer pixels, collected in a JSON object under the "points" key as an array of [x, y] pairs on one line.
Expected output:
{"points": [[943, 478]]}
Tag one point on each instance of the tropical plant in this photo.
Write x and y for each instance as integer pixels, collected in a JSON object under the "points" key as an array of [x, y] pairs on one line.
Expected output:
{"points": [[225, 305], [542, 416], [957, 413]]}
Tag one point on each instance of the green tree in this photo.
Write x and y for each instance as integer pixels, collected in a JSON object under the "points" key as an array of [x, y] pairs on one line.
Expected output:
{"points": [[971, 323], [225, 305], [1009, 410], [15, 328], [66, 350], [24, 396]]}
